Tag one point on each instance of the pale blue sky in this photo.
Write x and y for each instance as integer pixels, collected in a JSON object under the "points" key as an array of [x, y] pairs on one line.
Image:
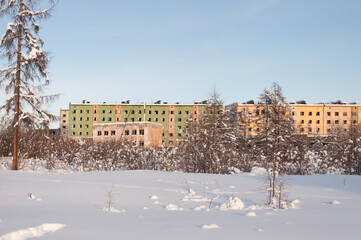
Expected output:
{"points": [[145, 50]]}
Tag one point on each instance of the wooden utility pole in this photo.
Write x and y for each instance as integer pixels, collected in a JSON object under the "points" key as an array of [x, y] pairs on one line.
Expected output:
{"points": [[17, 94]]}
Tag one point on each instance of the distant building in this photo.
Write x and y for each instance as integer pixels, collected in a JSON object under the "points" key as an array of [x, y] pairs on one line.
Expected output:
{"points": [[138, 133], [173, 117], [313, 119]]}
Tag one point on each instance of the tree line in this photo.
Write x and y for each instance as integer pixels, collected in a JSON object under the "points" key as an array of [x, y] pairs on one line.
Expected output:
{"points": [[216, 143]]}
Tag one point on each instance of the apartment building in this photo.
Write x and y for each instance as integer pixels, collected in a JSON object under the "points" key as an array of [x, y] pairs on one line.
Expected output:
{"points": [[173, 117], [313, 119]]}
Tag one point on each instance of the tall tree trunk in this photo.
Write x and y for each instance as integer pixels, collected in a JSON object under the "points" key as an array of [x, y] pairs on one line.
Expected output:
{"points": [[17, 96]]}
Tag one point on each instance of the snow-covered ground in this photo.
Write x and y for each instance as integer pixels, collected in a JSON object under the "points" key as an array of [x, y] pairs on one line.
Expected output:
{"points": [[163, 205]]}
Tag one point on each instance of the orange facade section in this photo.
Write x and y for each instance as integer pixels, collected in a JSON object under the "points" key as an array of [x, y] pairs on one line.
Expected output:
{"points": [[118, 111], [95, 113]]}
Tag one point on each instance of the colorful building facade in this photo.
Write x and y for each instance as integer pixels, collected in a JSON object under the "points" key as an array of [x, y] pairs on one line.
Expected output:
{"points": [[313, 119], [173, 117], [64, 122]]}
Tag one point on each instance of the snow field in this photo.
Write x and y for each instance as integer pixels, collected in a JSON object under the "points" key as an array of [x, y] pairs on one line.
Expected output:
{"points": [[163, 205]]}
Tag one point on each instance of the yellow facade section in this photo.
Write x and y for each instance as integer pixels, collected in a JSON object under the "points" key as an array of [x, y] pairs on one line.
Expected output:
{"points": [[315, 119]]}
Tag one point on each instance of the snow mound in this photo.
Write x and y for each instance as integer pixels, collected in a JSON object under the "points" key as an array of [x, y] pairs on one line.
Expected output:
{"points": [[200, 208], [335, 202], [33, 232], [210, 226], [251, 214], [258, 171], [295, 203], [234, 203], [173, 207], [154, 197], [113, 210]]}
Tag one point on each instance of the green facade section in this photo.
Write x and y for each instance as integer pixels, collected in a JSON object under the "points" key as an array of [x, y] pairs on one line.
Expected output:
{"points": [[81, 117]]}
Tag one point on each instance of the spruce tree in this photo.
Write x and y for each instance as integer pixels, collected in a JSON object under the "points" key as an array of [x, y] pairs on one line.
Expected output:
{"points": [[25, 77]]}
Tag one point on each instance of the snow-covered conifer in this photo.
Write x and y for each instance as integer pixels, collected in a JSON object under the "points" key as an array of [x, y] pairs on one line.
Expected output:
{"points": [[25, 77]]}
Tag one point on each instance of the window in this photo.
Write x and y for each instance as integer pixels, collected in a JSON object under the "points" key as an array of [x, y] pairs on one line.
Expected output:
{"points": [[336, 121], [139, 119], [163, 119], [171, 120], [132, 119], [179, 134], [110, 119], [140, 112], [156, 112], [81, 111], [156, 119], [87, 126], [112, 133], [179, 112], [163, 112], [80, 133], [309, 113], [149, 120], [134, 132], [171, 112], [64, 115], [317, 121], [74, 126], [170, 127], [302, 113], [141, 143], [249, 129], [74, 118], [103, 111], [317, 113], [81, 119], [336, 114], [95, 118], [73, 133], [87, 118], [354, 122], [110, 111], [163, 135], [328, 130], [106, 133], [125, 119], [309, 121], [95, 111], [170, 134], [345, 114], [328, 113], [118, 119], [302, 121], [132, 112], [103, 119], [317, 129], [328, 121], [293, 113], [354, 114], [87, 111], [195, 112], [302, 129], [179, 127], [170, 142], [141, 132], [64, 127], [179, 120], [74, 111], [99, 133], [126, 132], [126, 112], [187, 112], [149, 112], [344, 121]]}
